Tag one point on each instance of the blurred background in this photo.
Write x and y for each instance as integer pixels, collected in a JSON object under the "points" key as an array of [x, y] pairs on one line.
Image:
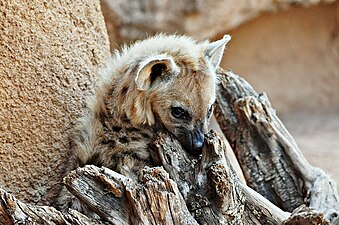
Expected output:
{"points": [[51, 50]]}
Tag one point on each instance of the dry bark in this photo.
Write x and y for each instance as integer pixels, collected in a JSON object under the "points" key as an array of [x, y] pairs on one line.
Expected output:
{"points": [[120, 200], [208, 186], [13, 211], [305, 215], [211, 188], [269, 157], [205, 190]]}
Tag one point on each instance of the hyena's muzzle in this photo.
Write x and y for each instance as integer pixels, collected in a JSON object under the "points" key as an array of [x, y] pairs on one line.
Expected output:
{"points": [[192, 140]]}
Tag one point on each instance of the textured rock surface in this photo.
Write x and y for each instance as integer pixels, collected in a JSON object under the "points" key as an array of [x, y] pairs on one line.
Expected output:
{"points": [[198, 18], [49, 54]]}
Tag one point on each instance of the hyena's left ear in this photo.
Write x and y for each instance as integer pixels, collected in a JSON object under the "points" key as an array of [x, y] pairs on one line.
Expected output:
{"points": [[215, 50], [154, 67]]}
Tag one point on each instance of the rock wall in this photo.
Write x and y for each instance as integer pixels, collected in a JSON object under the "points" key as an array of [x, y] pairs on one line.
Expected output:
{"points": [[201, 19], [49, 53]]}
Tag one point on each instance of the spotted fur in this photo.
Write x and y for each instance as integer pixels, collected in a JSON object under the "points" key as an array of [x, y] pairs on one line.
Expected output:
{"points": [[138, 91]]}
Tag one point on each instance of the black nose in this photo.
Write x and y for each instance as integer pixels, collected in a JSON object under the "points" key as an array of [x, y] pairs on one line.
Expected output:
{"points": [[197, 142], [192, 141]]}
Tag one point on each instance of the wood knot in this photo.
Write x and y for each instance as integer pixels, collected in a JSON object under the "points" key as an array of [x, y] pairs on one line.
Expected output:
{"points": [[219, 182], [304, 215]]}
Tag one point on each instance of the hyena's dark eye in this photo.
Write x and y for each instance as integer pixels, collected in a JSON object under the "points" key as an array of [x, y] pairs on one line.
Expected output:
{"points": [[180, 113]]}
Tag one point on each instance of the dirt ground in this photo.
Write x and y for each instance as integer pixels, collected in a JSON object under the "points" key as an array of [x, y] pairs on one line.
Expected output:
{"points": [[317, 136]]}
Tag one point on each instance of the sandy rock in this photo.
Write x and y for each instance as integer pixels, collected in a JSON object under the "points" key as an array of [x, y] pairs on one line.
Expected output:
{"points": [[198, 18], [49, 53]]}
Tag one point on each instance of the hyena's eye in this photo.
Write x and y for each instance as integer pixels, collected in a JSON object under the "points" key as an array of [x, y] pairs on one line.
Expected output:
{"points": [[180, 113]]}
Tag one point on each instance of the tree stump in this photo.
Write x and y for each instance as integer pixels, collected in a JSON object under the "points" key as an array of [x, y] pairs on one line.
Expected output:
{"points": [[283, 188]]}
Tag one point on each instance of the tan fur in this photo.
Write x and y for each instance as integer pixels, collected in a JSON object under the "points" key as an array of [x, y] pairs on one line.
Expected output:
{"points": [[130, 105]]}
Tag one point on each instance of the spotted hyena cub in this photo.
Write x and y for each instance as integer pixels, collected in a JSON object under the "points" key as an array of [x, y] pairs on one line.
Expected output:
{"points": [[162, 83]]}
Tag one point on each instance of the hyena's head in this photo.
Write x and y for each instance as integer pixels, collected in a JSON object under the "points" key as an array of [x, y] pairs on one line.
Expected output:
{"points": [[174, 87]]}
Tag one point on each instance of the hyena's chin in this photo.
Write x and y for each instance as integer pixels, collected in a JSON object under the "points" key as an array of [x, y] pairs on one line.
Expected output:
{"points": [[192, 141]]}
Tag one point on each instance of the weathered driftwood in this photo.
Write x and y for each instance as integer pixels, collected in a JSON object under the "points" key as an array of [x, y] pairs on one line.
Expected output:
{"points": [[13, 211], [119, 200], [204, 190], [269, 157], [210, 187], [210, 191], [115, 198], [305, 215]]}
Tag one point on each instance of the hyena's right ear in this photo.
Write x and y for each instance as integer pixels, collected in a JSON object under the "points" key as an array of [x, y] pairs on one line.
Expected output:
{"points": [[154, 67], [215, 50]]}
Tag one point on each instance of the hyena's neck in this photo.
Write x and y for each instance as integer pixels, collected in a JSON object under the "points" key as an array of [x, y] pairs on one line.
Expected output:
{"points": [[127, 105], [116, 139]]}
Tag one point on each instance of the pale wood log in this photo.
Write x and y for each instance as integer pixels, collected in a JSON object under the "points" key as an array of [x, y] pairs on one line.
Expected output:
{"points": [[101, 191], [270, 159], [13, 211], [305, 216], [211, 188], [210, 191], [120, 200]]}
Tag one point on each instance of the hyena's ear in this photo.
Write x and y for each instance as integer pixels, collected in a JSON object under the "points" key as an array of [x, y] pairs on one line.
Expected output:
{"points": [[154, 67], [215, 50]]}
